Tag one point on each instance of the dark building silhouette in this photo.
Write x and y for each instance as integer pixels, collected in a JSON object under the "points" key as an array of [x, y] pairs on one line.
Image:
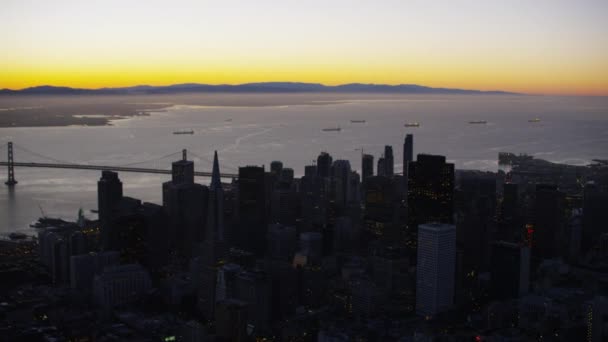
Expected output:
{"points": [[214, 247], [276, 167], [595, 216], [475, 211], [408, 156], [381, 169], [231, 320], [182, 171], [367, 166], [251, 232], [510, 270], [381, 204], [324, 162], [341, 182], [408, 151], [109, 193], [185, 204], [389, 161], [310, 170], [430, 191], [511, 223], [548, 216]]}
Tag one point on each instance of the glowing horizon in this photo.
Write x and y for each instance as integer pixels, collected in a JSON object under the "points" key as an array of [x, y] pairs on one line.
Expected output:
{"points": [[549, 47]]}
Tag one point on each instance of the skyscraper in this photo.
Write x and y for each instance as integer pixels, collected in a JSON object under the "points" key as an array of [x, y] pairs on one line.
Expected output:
{"points": [[511, 225], [548, 220], [215, 215], [408, 152], [341, 181], [109, 193], [430, 190], [182, 171], [214, 246], [367, 166], [435, 268], [389, 161], [324, 162], [185, 203], [408, 156], [510, 270], [276, 167], [381, 167], [251, 232]]}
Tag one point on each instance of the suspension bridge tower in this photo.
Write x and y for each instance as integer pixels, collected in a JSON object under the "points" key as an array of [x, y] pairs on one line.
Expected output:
{"points": [[11, 166]]}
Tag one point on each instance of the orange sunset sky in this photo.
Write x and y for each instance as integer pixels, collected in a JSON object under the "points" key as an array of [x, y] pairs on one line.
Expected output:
{"points": [[542, 46]]}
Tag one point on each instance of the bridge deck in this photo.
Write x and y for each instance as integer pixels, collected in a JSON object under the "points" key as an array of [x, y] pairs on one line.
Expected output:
{"points": [[109, 168]]}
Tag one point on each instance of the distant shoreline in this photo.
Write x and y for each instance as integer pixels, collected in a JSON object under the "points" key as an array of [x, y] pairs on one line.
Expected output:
{"points": [[100, 110]]}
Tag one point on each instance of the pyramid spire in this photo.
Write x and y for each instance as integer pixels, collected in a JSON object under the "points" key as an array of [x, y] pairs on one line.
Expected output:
{"points": [[215, 175]]}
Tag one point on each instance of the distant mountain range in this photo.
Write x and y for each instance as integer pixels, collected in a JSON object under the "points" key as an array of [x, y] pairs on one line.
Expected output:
{"points": [[265, 87]]}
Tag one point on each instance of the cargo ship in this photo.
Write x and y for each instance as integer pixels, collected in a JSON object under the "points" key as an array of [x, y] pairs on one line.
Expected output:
{"points": [[332, 129], [412, 124], [184, 132], [478, 122], [357, 121]]}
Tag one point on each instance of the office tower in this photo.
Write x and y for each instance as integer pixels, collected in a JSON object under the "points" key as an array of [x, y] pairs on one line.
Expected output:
{"points": [[324, 162], [109, 193], [120, 285], [341, 181], [381, 166], [276, 167], [282, 242], [314, 200], [254, 288], [548, 216], [408, 156], [511, 224], [408, 152], [389, 161], [231, 320], [366, 298], [380, 199], [310, 170], [84, 267], [430, 195], [226, 278], [510, 270], [390, 268], [476, 218], [435, 268], [595, 215], [597, 319], [367, 166], [286, 175], [185, 205], [354, 189], [182, 171], [214, 247], [251, 233]]}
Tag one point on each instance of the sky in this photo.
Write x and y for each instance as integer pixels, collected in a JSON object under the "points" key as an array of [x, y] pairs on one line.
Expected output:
{"points": [[540, 46]]}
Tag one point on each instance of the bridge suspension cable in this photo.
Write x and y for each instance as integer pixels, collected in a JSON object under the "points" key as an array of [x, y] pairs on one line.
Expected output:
{"points": [[21, 148], [152, 160]]}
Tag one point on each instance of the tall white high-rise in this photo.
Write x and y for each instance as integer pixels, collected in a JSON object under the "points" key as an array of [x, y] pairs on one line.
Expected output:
{"points": [[435, 268]]}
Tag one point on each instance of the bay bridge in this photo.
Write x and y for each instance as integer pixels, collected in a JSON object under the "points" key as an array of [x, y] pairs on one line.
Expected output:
{"points": [[59, 164]]}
